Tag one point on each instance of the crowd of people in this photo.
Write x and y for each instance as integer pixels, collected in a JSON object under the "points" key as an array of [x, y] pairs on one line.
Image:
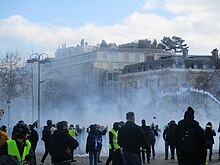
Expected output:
{"points": [[129, 143]]}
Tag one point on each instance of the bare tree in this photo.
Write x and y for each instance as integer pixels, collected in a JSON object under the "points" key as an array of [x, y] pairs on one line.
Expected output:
{"points": [[14, 78]]}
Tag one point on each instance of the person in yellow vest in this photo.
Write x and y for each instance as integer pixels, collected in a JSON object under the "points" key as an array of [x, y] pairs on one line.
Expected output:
{"points": [[73, 133], [114, 148], [19, 146]]}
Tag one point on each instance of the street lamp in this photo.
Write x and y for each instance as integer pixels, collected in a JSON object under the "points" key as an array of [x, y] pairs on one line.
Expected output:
{"points": [[40, 59], [9, 111]]}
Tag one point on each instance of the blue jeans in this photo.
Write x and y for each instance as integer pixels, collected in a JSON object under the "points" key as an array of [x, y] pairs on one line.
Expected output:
{"points": [[131, 158], [93, 156]]}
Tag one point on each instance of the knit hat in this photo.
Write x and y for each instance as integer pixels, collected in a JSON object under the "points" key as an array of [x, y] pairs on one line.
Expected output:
{"points": [[189, 114], [209, 125]]}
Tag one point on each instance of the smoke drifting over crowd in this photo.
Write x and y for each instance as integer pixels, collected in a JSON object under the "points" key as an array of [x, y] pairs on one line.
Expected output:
{"points": [[157, 108]]}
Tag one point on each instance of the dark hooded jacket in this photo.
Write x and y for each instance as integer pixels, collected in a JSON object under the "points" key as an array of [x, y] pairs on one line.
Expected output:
{"points": [[200, 156], [60, 145]]}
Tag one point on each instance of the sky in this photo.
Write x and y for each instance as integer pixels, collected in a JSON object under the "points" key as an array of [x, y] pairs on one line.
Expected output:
{"points": [[43, 25]]}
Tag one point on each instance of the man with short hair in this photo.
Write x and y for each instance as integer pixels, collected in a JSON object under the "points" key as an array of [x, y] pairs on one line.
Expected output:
{"points": [[131, 138], [61, 145]]}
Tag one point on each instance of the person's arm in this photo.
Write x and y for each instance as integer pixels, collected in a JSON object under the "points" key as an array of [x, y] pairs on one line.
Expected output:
{"points": [[213, 133], [164, 134], [111, 140], [3, 149], [219, 128], [71, 142]]}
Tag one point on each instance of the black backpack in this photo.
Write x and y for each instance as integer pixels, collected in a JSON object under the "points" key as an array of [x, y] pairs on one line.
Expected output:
{"points": [[186, 141]]}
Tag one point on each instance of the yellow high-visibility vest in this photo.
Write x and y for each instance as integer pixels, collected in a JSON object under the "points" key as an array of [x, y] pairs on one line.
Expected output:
{"points": [[72, 133], [114, 140], [13, 149]]}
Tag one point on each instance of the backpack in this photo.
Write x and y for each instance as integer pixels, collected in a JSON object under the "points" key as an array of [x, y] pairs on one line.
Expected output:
{"points": [[151, 137], [186, 141], [98, 143], [46, 134]]}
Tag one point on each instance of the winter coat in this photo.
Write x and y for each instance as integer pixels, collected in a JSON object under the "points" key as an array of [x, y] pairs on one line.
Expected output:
{"points": [[131, 137], [200, 156], [171, 134], [90, 142], [61, 145], [165, 131], [46, 133], [209, 136], [33, 138]]}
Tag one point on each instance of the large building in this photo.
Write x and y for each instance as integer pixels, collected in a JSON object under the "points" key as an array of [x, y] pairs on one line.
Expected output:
{"points": [[88, 69], [168, 75]]}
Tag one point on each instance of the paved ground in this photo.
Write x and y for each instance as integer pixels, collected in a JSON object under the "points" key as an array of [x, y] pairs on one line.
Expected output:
{"points": [[159, 160]]}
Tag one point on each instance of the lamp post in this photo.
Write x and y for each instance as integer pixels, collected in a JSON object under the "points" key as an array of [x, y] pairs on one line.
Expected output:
{"points": [[40, 59], [9, 111]]}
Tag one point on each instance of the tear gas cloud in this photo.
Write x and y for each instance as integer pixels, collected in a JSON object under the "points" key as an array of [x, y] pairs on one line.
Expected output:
{"points": [[157, 108]]}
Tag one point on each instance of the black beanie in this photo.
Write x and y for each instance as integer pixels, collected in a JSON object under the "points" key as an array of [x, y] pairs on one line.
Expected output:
{"points": [[189, 114]]}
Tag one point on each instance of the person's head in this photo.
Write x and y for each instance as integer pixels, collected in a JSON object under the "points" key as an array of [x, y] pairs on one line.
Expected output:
{"points": [[49, 122], [189, 114], [130, 116], [62, 125], [21, 122], [116, 126], [20, 132], [143, 122], [4, 128], [71, 127], [209, 125], [31, 126], [172, 122], [92, 128]]}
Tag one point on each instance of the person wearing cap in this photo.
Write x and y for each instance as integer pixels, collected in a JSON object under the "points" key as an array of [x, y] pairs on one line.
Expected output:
{"points": [[19, 146], [131, 138], [198, 155], [209, 138]]}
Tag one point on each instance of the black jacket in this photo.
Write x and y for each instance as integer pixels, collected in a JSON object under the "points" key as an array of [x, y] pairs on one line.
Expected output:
{"points": [[90, 142], [61, 145], [131, 137], [200, 156], [209, 136], [165, 131], [171, 134], [33, 138]]}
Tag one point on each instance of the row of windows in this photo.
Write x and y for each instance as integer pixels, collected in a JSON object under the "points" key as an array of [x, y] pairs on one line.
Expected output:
{"points": [[120, 57], [161, 66]]}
